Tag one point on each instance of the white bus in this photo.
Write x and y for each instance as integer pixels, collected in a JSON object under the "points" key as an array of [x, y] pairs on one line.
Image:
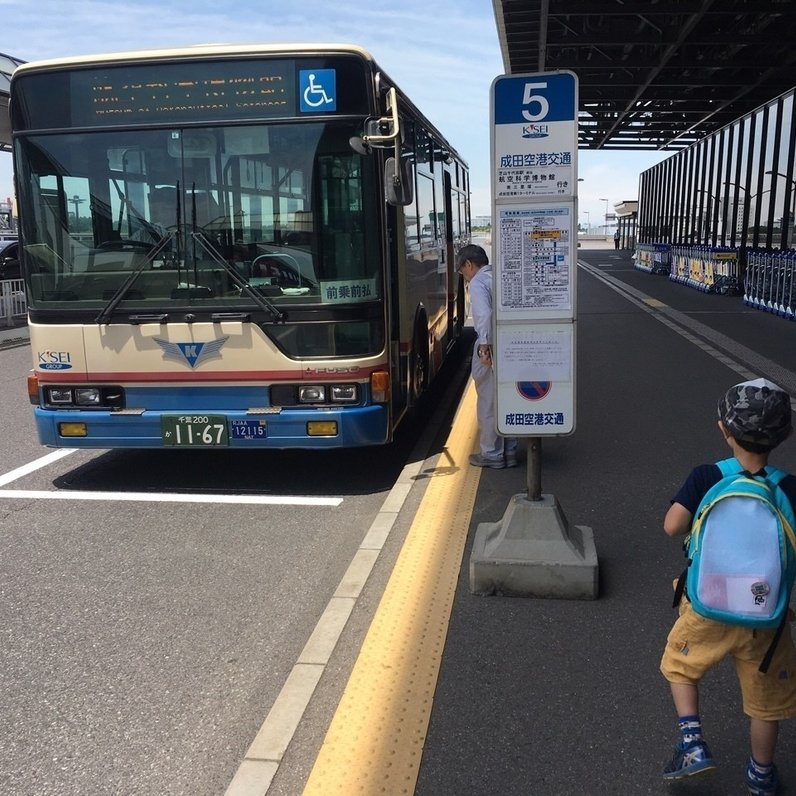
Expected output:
{"points": [[246, 246]]}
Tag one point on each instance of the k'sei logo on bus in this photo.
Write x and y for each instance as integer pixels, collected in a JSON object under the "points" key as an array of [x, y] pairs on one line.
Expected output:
{"points": [[54, 360], [191, 353]]}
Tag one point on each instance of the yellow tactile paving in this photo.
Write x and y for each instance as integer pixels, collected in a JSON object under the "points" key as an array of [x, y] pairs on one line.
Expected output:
{"points": [[375, 740]]}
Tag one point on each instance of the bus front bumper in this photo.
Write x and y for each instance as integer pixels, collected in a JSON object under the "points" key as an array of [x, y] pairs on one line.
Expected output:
{"points": [[348, 427]]}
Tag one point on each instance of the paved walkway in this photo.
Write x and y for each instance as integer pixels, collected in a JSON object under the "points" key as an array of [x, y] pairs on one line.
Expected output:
{"points": [[556, 697]]}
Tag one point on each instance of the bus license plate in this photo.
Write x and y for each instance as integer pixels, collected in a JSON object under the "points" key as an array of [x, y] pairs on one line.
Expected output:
{"points": [[247, 429], [194, 431]]}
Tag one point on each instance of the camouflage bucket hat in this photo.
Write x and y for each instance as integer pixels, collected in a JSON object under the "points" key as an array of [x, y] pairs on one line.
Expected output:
{"points": [[756, 411]]}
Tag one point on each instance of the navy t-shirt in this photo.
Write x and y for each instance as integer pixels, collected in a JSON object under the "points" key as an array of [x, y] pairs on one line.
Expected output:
{"points": [[705, 476]]}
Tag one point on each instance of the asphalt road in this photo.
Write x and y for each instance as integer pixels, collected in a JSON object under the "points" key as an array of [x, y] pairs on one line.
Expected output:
{"points": [[143, 642]]}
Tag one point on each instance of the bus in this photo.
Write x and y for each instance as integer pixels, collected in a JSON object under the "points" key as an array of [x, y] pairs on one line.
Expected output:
{"points": [[232, 246]]}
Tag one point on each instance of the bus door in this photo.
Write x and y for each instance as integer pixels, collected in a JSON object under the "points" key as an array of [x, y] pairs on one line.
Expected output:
{"points": [[395, 256], [450, 257]]}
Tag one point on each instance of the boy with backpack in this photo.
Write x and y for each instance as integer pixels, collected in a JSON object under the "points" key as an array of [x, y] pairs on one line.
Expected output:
{"points": [[741, 566]]}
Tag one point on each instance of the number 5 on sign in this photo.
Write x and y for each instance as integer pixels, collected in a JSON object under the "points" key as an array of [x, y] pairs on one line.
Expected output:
{"points": [[528, 98]]}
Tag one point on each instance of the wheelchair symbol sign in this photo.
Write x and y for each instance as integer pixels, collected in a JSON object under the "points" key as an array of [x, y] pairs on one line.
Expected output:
{"points": [[318, 90]]}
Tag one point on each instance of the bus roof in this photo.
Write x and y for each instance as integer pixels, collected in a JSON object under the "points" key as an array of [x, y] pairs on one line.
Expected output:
{"points": [[199, 50]]}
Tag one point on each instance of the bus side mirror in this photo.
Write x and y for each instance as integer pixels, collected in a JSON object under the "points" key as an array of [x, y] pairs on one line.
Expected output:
{"points": [[398, 181], [359, 145]]}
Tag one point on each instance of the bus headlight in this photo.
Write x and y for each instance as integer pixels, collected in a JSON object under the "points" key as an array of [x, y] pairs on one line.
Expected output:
{"points": [[100, 397], [59, 396], [312, 394], [87, 396], [344, 393]]}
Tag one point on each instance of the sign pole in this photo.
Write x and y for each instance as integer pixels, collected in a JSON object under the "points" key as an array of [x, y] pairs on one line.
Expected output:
{"points": [[533, 551], [534, 467]]}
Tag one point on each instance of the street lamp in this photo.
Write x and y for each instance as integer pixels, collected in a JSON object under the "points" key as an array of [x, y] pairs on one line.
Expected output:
{"points": [[606, 215], [747, 207], [587, 213], [780, 174]]}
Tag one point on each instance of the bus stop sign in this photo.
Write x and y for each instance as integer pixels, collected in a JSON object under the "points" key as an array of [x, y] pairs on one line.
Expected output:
{"points": [[534, 212]]}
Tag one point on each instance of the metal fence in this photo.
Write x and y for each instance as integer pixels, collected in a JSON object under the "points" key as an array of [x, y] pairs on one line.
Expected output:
{"points": [[13, 302]]}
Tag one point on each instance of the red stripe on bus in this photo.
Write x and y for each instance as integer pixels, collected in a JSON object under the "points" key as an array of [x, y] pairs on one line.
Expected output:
{"points": [[238, 375]]}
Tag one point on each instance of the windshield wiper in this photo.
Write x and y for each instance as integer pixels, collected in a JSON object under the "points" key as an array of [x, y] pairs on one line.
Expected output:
{"points": [[259, 300], [107, 310]]}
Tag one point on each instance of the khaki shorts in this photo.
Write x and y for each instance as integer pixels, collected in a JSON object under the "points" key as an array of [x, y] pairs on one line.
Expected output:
{"points": [[696, 644]]}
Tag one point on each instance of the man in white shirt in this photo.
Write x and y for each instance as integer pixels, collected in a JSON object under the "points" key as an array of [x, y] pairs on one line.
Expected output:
{"points": [[496, 452]]}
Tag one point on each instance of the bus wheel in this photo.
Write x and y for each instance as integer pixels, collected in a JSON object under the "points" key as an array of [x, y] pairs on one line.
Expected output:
{"points": [[419, 366]]}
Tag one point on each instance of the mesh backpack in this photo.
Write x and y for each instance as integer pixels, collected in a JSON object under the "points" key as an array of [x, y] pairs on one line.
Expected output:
{"points": [[742, 552]]}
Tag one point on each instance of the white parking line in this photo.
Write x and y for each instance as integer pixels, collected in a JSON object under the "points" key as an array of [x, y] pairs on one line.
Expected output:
{"points": [[145, 497], [170, 497], [37, 464]]}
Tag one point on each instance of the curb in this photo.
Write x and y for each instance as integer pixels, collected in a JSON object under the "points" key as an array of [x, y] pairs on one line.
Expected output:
{"points": [[19, 335]]}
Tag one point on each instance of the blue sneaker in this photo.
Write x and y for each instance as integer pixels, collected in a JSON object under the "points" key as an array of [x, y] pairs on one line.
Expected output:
{"points": [[690, 759], [761, 786]]}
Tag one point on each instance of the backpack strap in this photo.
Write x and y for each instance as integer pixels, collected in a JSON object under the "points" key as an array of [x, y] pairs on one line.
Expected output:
{"points": [[767, 658], [729, 466], [774, 475], [679, 589]]}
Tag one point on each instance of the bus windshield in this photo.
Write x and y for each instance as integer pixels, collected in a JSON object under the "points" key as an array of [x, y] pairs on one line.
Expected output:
{"points": [[231, 217]]}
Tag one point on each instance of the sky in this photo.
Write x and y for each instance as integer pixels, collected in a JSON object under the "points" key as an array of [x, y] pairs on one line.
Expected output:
{"points": [[444, 56]]}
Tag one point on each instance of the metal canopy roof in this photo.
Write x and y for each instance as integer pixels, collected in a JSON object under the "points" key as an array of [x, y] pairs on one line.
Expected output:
{"points": [[655, 74]]}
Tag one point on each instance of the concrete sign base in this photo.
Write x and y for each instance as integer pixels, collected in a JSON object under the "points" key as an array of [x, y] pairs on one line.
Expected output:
{"points": [[533, 552]]}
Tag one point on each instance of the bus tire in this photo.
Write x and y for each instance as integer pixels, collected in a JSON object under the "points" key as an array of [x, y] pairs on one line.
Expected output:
{"points": [[419, 358]]}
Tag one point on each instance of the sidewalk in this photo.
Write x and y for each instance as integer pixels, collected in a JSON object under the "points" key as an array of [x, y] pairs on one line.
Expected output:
{"points": [[13, 335], [556, 697]]}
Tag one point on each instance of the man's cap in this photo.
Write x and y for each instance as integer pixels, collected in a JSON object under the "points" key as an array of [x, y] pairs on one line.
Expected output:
{"points": [[756, 411]]}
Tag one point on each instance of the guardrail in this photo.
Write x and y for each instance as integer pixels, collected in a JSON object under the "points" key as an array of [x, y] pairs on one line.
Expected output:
{"points": [[13, 302]]}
